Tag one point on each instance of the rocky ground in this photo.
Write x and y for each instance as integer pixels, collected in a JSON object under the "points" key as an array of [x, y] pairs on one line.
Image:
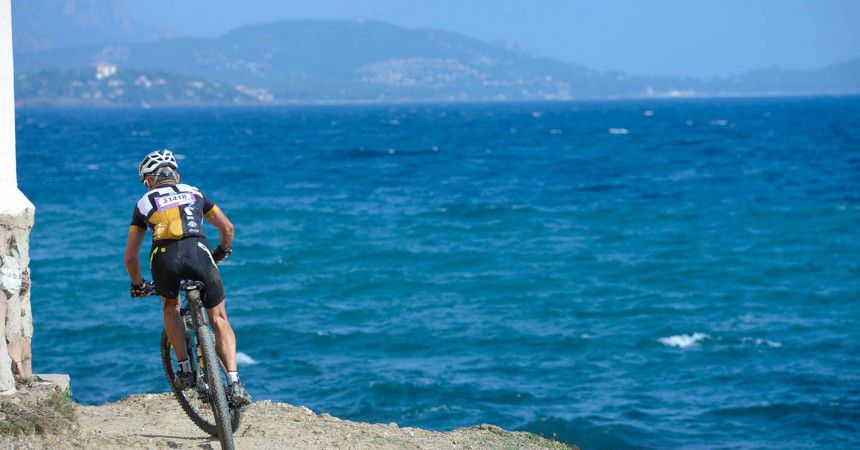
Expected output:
{"points": [[156, 421]]}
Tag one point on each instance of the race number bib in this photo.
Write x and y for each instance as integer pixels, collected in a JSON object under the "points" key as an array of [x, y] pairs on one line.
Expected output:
{"points": [[174, 200]]}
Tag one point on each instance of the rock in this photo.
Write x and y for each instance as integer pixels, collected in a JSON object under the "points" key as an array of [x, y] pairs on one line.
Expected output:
{"points": [[13, 317], [4, 299], [10, 273], [16, 346], [16, 322], [7, 379], [60, 379]]}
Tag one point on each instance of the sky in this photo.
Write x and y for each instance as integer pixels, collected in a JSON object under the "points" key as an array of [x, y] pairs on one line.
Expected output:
{"points": [[701, 38]]}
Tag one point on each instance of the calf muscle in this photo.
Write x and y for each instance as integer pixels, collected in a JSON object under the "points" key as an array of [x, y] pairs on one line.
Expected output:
{"points": [[174, 326]]}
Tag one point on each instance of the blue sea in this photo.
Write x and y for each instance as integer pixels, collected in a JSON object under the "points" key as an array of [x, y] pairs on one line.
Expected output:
{"points": [[624, 274]]}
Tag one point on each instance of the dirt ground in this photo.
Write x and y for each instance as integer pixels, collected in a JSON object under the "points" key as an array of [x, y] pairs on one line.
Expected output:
{"points": [[156, 421]]}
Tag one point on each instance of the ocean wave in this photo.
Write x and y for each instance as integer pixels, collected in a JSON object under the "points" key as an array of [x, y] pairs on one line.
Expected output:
{"points": [[684, 340], [243, 359], [683, 175], [588, 432], [759, 342]]}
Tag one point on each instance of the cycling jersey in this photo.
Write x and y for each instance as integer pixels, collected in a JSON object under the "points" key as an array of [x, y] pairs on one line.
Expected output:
{"points": [[173, 212]]}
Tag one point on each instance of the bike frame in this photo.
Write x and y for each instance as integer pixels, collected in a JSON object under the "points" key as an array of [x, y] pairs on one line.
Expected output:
{"points": [[194, 320]]}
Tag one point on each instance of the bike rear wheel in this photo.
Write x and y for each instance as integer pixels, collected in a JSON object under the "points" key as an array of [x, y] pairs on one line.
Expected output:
{"points": [[190, 400]]}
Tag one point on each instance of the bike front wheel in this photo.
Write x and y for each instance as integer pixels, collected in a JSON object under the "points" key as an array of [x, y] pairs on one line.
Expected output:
{"points": [[215, 385]]}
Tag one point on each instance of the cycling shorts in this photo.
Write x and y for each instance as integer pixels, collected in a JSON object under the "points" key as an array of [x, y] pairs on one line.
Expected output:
{"points": [[172, 261]]}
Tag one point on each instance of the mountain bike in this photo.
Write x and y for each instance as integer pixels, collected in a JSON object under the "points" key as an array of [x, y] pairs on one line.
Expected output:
{"points": [[206, 402]]}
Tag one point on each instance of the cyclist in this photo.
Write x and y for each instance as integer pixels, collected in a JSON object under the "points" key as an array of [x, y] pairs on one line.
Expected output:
{"points": [[180, 251]]}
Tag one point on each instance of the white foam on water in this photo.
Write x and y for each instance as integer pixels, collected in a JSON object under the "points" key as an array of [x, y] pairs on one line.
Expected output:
{"points": [[684, 340], [536, 114], [243, 359], [760, 341], [719, 123], [93, 166], [619, 131], [648, 113]]}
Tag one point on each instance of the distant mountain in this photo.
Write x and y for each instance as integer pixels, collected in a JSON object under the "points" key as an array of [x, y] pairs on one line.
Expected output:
{"points": [[49, 24], [836, 78], [335, 61]]}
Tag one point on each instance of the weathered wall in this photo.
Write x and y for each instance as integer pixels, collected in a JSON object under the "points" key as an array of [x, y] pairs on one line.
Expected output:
{"points": [[16, 318], [16, 220]]}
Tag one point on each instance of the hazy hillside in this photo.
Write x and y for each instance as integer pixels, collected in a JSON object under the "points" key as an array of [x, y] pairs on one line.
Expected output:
{"points": [[313, 61], [837, 78], [343, 60], [49, 24]]}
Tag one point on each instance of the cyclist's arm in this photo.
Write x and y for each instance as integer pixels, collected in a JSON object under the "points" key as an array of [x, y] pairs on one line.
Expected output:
{"points": [[132, 247], [225, 228]]}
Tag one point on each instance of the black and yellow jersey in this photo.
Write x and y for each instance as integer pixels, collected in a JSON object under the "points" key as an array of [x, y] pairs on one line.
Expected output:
{"points": [[173, 212]]}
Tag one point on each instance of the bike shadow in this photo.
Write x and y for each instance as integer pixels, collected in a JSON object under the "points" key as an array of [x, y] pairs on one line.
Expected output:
{"points": [[183, 438]]}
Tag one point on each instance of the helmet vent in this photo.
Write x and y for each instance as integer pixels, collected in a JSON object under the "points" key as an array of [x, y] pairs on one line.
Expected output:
{"points": [[156, 160]]}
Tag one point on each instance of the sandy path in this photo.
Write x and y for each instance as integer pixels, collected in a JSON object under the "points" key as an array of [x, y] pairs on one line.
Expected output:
{"points": [[156, 421]]}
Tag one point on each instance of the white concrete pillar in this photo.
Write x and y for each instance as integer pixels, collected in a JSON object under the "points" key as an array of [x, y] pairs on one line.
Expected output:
{"points": [[16, 221]]}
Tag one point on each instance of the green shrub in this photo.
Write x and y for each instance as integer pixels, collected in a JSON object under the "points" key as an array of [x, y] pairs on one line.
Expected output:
{"points": [[45, 412]]}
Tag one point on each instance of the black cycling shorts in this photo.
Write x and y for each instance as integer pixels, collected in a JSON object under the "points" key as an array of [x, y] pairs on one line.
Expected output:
{"points": [[172, 261]]}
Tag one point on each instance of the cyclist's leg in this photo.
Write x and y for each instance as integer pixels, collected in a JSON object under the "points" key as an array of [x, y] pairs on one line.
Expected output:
{"points": [[174, 326], [203, 268], [225, 338], [164, 264]]}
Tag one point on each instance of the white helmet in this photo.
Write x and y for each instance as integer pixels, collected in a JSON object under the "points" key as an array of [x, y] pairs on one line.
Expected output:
{"points": [[156, 160]]}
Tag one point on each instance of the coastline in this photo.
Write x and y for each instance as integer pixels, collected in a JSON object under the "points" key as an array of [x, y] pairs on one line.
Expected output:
{"points": [[40, 104]]}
